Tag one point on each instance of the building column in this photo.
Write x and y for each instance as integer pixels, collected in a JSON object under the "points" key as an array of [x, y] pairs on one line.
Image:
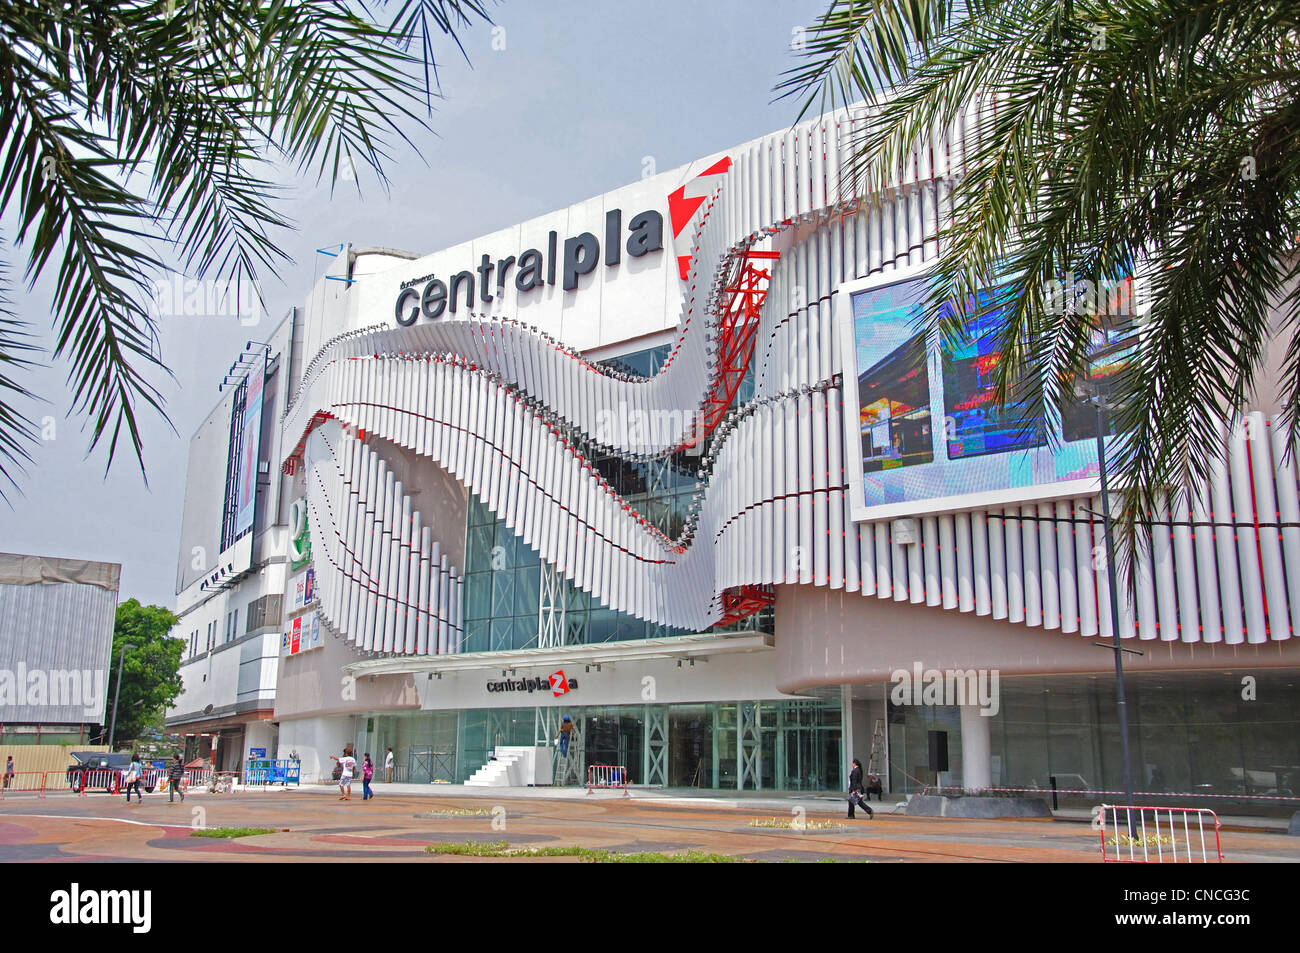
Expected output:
{"points": [[976, 749]]}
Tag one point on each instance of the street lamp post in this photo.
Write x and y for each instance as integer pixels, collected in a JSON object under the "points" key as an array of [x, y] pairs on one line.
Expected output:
{"points": [[1096, 397], [1121, 703], [117, 690]]}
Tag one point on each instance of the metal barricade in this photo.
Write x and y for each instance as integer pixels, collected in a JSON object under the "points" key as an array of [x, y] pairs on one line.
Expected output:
{"points": [[1158, 835], [94, 779], [197, 777], [23, 782], [260, 772], [607, 776], [153, 779]]}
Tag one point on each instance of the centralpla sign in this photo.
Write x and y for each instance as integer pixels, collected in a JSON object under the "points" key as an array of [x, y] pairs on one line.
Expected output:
{"points": [[557, 684], [432, 297]]}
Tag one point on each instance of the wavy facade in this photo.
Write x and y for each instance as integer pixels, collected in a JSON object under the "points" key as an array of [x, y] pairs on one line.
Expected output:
{"points": [[506, 409]]}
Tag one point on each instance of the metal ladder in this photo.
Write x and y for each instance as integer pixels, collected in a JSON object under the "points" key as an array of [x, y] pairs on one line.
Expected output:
{"points": [[877, 747], [568, 770]]}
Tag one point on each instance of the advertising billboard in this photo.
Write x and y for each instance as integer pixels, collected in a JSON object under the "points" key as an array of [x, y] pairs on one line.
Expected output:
{"points": [[923, 430], [249, 443]]}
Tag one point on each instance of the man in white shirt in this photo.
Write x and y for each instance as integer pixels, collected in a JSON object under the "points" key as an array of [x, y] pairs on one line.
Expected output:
{"points": [[348, 766], [388, 767]]}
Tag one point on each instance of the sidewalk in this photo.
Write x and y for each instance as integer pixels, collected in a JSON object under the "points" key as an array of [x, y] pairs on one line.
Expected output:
{"points": [[782, 802]]}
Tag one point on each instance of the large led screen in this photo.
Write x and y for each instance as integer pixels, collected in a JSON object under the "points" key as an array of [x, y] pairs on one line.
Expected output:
{"points": [[923, 428]]}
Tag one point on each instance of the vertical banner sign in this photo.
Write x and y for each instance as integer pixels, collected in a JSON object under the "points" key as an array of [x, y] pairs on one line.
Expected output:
{"points": [[246, 494]]}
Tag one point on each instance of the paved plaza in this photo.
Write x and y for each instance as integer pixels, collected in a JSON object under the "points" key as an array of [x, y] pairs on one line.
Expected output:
{"points": [[311, 824]]}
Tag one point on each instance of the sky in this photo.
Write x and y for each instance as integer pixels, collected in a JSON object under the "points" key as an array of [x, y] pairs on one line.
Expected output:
{"points": [[562, 101]]}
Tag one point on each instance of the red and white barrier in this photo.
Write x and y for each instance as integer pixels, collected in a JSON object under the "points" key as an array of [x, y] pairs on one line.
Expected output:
{"points": [[1158, 835], [607, 776], [100, 779], [23, 782]]}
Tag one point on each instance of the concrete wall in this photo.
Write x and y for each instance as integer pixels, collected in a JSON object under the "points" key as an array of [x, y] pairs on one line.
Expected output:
{"points": [[239, 675], [315, 739], [313, 683], [829, 637]]}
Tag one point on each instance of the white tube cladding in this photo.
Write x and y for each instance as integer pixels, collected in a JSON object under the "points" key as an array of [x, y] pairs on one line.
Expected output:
{"points": [[774, 509]]}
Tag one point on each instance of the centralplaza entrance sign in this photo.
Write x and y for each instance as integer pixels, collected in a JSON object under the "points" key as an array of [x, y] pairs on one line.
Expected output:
{"points": [[532, 269]]}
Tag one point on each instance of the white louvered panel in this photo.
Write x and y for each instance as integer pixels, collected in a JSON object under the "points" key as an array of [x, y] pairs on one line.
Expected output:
{"points": [[422, 593], [1105, 624], [884, 563], [348, 540], [1015, 566], [915, 556], [802, 195], [581, 543], [1247, 548], [1066, 589], [1189, 624], [902, 235], [437, 411], [831, 139], [1144, 583], [766, 465], [805, 484], [766, 181], [997, 564], [1162, 564], [514, 441], [821, 556], [496, 439], [866, 553], [961, 562], [817, 186], [934, 589], [1266, 518], [839, 541], [436, 635], [948, 562], [410, 401], [458, 630], [1289, 514], [407, 594], [355, 535], [792, 553], [788, 191], [527, 511], [444, 604], [1085, 578], [388, 567], [1031, 566], [370, 566], [479, 425]]}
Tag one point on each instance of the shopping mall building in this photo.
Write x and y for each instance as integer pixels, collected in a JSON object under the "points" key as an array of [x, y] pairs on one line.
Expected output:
{"points": [[676, 463]]}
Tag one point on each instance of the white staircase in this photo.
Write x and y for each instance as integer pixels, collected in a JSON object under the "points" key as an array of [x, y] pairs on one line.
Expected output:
{"points": [[514, 766]]}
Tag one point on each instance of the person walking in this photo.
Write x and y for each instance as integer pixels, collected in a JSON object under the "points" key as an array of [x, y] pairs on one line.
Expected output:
{"points": [[367, 772], [388, 767], [175, 774], [133, 775], [856, 791], [9, 771], [347, 765]]}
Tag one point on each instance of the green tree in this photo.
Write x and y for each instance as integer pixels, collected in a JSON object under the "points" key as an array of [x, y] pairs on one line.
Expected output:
{"points": [[138, 131], [1156, 137], [150, 670]]}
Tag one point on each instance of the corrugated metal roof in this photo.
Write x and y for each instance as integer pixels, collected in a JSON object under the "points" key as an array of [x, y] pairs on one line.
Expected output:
{"points": [[48, 632]]}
